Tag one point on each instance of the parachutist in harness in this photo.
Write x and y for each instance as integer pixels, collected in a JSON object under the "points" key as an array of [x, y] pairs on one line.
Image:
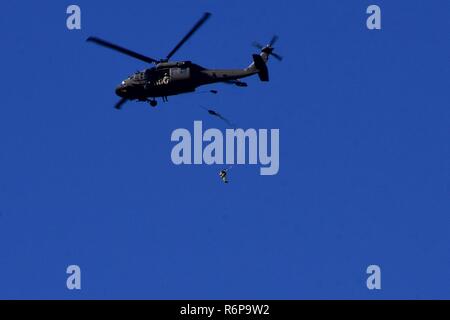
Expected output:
{"points": [[223, 175]]}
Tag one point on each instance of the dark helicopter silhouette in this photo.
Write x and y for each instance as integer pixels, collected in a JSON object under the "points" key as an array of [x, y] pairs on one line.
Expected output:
{"points": [[168, 78]]}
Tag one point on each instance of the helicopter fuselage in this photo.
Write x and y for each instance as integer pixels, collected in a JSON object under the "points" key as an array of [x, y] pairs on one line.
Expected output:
{"points": [[173, 78], [169, 78]]}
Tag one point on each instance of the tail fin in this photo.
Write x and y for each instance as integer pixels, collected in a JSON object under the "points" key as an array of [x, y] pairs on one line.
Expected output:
{"points": [[260, 64]]}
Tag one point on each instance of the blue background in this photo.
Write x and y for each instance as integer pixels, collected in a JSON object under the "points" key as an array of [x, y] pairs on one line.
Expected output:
{"points": [[364, 124]]}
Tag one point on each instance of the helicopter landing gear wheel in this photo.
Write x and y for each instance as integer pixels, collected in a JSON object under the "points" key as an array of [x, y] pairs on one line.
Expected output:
{"points": [[153, 103]]}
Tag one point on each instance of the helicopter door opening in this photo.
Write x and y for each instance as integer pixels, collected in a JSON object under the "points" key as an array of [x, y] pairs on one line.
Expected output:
{"points": [[180, 73]]}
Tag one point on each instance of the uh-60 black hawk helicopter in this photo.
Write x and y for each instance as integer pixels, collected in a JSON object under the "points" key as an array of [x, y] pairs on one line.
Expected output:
{"points": [[168, 78]]}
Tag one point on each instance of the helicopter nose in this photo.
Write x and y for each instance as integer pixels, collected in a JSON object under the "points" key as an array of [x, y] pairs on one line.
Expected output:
{"points": [[121, 91]]}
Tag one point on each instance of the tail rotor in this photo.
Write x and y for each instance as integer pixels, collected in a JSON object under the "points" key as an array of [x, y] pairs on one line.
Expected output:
{"points": [[268, 49]]}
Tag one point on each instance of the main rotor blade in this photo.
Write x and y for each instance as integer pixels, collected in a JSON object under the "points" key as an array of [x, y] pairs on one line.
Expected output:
{"points": [[113, 46], [277, 56], [205, 17], [120, 103], [272, 42], [258, 45]]}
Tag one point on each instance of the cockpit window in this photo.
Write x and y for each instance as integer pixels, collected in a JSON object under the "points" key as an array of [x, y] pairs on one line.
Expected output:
{"points": [[137, 76]]}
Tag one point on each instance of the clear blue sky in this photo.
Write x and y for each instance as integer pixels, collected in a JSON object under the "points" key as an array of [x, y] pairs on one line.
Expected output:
{"points": [[364, 120]]}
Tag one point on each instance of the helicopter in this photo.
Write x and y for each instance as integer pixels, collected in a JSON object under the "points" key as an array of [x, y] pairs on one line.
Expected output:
{"points": [[169, 78]]}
